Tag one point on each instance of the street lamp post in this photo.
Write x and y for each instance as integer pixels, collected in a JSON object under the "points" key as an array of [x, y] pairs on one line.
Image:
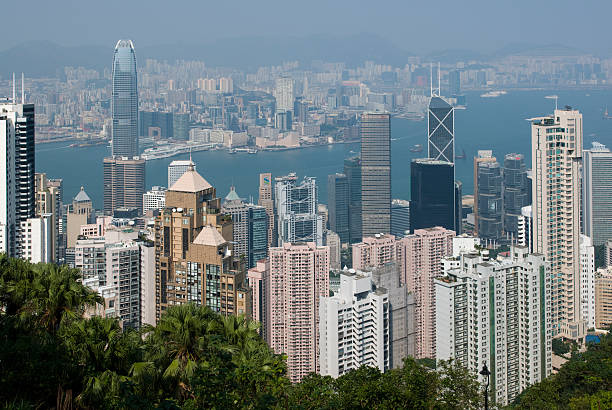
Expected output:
{"points": [[485, 372]]}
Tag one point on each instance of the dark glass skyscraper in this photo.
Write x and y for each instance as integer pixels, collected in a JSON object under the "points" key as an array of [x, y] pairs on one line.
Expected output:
{"points": [[352, 170], [338, 205], [124, 102], [375, 173], [432, 193], [440, 130], [516, 193], [490, 207]]}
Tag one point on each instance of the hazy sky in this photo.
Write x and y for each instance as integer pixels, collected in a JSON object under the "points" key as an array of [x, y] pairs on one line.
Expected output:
{"points": [[420, 26]]}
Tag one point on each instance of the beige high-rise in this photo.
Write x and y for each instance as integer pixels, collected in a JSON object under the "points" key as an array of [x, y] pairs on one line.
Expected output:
{"points": [[266, 200], [556, 156]]}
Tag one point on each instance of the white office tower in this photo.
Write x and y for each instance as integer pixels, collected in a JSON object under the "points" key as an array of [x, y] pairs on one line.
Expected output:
{"points": [[36, 238], [524, 235], [497, 313], [597, 193], [176, 169], [17, 198], [354, 326], [154, 199], [296, 207], [556, 153], [283, 92], [587, 280]]}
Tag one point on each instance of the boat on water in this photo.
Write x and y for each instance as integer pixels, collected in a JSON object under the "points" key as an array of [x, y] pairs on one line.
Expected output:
{"points": [[606, 116], [493, 94], [171, 150], [416, 148]]}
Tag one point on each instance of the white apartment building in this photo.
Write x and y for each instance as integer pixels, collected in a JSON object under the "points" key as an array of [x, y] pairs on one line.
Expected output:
{"points": [[284, 94], [587, 280], [36, 238], [524, 235], [556, 153], [354, 326], [498, 313], [154, 199]]}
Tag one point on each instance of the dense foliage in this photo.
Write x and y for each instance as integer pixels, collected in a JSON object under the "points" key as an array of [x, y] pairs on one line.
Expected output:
{"points": [[53, 357]]}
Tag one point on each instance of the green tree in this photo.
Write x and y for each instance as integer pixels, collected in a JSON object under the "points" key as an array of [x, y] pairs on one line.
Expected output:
{"points": [[459, 389]]}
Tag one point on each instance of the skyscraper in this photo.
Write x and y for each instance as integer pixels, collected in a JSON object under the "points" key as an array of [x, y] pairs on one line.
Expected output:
{"points": [[265, 199], [177, 168], [124, 102], [440, 130], [432, 194], [597, 193], [298, 278], [516, 194], [375, 173], [483, 156], [400, 217], [296, 208], [587, 280], [556, 155], [338, 205], [454, 82], [124, 183], [490, 205], [352, 170], [284, 94], [17, 169]]}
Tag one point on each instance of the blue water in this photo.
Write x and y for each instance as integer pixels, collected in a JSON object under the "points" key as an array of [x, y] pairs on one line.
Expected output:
{"points": [[488, 123]]}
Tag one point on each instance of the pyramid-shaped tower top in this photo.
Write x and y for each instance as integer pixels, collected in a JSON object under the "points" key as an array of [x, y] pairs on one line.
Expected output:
{"points": [[209, 236], [190, 181], [82, 196]]}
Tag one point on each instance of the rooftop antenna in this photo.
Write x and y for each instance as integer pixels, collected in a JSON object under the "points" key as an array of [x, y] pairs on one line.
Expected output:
{"points": [[553, 97], [190, 161], [22, 88], [14, 88]]}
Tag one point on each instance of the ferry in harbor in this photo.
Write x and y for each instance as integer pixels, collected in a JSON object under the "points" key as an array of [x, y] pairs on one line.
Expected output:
{"points": [[171, 150], [493, 94]]}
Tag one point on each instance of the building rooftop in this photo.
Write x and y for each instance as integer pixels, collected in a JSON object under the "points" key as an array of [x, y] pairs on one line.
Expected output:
{"points": [[82, 196], [233, 195], [209, 236], [190, 181]]}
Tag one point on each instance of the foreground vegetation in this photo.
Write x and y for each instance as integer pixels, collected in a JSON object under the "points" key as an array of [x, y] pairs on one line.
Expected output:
{"points": [[53, 357]]}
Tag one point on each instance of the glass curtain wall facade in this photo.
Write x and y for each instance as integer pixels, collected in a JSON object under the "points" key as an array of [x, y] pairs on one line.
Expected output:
{"points": [[432, 188], [124, 102]]}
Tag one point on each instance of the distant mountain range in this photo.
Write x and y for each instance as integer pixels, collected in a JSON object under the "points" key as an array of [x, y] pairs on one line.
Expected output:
{"points": [[47, 59]]}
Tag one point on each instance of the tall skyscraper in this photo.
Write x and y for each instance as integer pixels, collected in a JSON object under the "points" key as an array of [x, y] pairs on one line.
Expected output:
{"points": [[177, 168], [266, 200], [296, 209], [454, 82], [483, 156], [124, 183], [284, 94], [516, 194], [375, 173], [597, 193], [482, 317], [556, 154], [368, 325], [338, 205], [587, 280], [440, 130], [124, 102], [422, 253], [17, 188], [400, 218], [490, 203], [299, 277], [432, 198], [352, 170]]}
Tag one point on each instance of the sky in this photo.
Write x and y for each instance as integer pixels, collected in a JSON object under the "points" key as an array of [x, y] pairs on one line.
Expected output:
{"points": [[417, 26]]}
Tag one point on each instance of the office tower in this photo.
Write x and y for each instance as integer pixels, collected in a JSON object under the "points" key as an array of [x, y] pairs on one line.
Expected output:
{"points": [[361, 338], [432, 194], [181, 126], [124, 183], [400, 218], [524, 235], [49, 201], [257, 277], [265, 199], [490, 206], [440, 130], [323, 211], [338, 205], [608, 253], [375, 251], [483, 156], [37, 239], [587, 280], [603, 298], [299, 277], [194, 248], [296, 209], [352, 170], [283, 120], [283, 92], [422, 252], [156, 124], [17, 198], [597, 193], [516, 193], [497, 313], [402, 311], [154, 199], [332, 241], [177, 168], [458, 207], [454, 82], [124, 101], [556, 157], [250, 228], [375, 173], [79, 213]]}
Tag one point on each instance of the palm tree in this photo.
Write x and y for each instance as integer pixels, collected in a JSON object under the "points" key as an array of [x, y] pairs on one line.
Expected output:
{"points": [[16, 277]]}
